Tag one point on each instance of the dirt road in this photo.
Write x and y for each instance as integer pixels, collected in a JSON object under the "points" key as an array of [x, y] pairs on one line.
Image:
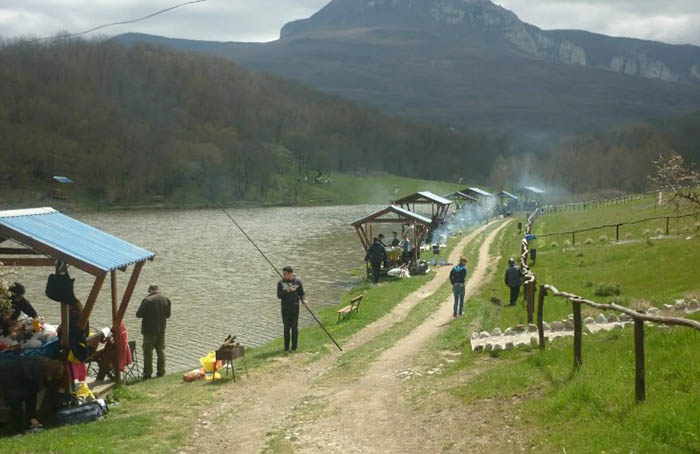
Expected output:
{"points": [[290, 401]]}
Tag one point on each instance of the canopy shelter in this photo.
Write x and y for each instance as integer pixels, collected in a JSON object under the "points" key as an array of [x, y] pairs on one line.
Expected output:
{"points": [[393, 214], [531, 197], [49, 238], [507, 202], [478, 194], [438, 205], [60, 188], [460, 199]]}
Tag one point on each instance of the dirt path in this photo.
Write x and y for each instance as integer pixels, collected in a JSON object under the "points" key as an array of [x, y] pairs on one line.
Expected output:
{"points": [[265, 402], [369, 414]]}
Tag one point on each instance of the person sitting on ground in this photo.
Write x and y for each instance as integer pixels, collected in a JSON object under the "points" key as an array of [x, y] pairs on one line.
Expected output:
{"points": [[396, 242], [21, 379], [376, 255], [458, 279], [513, 280]]}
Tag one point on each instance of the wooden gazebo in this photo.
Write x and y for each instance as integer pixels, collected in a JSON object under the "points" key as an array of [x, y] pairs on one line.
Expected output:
{"points": [[393, 214], [507, 201], [460, 199], [531, 197], [439, 206], [48, 238], [479, 194]]}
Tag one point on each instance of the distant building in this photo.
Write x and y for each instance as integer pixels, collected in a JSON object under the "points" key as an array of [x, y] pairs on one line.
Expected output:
{"points": [[531, 197], [61, 188], [507, 202]]}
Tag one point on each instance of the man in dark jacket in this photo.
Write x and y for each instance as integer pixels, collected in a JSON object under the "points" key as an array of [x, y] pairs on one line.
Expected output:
{"points": [[513, 280], [290, 291], [20, 303], [376, 255], [154, 312], [458, 279]]}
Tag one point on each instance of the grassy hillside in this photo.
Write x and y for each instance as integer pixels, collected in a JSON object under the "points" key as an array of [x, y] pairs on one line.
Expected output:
{"points": [[593, 411]]}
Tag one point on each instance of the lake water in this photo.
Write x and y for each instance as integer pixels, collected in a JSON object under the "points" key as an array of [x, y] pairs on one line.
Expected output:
{"points": [[217, 281]]}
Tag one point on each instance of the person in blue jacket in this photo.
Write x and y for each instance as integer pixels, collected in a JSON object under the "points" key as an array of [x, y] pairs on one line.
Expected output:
{"points": [[458, 279]]}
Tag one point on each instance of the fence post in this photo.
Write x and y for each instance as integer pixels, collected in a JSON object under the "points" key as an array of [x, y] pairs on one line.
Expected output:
{"points": [[639, 382], [667, 222], [578, 328], [617, 232], [531, 301], [573, 238], [540, 312]]}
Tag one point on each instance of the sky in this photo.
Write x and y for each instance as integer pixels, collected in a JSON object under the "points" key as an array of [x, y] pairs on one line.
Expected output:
{"points": [[672, 21]]}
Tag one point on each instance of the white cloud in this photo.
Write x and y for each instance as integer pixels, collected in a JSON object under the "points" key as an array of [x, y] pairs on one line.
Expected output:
{"points": [[675, 21]]}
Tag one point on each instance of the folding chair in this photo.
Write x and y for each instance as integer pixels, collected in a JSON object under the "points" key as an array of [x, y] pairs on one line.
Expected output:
{"points": [[132, 371]]}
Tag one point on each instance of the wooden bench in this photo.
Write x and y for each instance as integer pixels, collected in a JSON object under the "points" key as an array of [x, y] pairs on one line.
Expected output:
{"points": [[348, 310]]}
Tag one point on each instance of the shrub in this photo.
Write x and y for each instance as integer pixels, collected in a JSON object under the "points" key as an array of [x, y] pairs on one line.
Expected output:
{"points": [[5, 301], [567, 243], [603, 238], [647, 233], [588, 241], [608, 290], [628, 236], [659, 232], [554, 245]]}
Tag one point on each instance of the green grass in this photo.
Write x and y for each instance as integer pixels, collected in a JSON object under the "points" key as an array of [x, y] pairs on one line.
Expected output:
{"points": [[592, 410]]}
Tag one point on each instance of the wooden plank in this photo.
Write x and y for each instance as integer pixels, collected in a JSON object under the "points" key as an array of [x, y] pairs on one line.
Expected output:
{"points": [[578, 334], [639, 379], [129, 292], [48, 250], [92, 298], [16, 251], [30, 262]]}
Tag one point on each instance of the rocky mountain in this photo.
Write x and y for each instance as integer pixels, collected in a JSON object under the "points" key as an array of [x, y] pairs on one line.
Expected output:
{"points": [[472, 63]]}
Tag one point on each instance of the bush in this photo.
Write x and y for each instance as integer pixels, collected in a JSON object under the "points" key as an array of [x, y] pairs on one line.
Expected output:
{"points": [[554, 245], [5, 300], [628, 236], [659, 232], [588, 241], [603, 238], [567, 243], [608, 290], [647, 233]]}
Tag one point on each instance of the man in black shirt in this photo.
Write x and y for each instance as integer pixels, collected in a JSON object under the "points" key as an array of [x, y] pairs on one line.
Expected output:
{"points": [[290, 291], [376, 255], [19, 303]]}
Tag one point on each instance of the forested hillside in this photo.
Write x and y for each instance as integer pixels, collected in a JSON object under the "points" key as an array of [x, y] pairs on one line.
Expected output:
{"points": [[134, 123]]}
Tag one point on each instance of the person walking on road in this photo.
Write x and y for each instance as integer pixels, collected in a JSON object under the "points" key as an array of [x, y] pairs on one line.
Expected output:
{"points": [[290, 291], [458, 279], [376, 255], [513, 280], [154, 312]]}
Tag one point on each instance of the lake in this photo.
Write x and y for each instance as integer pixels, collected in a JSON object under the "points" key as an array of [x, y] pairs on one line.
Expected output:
{"points": [[217, 281]]}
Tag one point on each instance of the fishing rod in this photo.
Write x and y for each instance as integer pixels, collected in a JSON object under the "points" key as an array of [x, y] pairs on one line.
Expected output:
{"points": [[278, 272]]}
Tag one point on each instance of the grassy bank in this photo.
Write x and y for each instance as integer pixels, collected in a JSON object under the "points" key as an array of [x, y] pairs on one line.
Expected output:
{"points": [[593, 410], [343, 189], [157, 415]]}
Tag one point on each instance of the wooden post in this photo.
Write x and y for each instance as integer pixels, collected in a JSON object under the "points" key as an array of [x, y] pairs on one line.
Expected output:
{"points": [[578, 328], [530, 295], [540, 312], [639, 382], [667, 222], [617, 232], [573, 238], [90, 304], [115, 328], [129, 292]]}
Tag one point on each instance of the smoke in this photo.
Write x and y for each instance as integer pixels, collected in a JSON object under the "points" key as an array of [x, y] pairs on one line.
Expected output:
{"points": [[459, 219]]}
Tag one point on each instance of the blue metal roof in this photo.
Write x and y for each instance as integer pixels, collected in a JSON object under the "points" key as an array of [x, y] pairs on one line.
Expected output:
{"points": [[86, 244], [64, 180], [393, 209], [534, 189]]}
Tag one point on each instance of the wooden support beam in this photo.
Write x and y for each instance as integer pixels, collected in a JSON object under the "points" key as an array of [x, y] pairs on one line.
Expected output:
{"points": [[116, 333], [129, 292], [30, 262], [90, 303], [16, 251]]}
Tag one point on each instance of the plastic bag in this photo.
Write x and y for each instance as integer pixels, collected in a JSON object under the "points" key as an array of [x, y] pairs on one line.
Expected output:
{"points": [[83, 392], [209, 362]]}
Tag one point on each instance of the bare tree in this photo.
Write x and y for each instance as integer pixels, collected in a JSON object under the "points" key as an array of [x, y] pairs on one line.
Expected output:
{"points": [[680, 179]]}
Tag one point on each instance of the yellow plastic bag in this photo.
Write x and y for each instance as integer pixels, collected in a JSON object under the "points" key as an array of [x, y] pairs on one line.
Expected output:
{"points": [[84, 392], [209, 362]]}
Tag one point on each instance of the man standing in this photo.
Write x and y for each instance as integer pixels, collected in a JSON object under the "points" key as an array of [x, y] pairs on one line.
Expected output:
{"points": [[405, 250], [154, 312], [458, 279], [376, 255], [290, 291], [513, 280], [395, 242]]}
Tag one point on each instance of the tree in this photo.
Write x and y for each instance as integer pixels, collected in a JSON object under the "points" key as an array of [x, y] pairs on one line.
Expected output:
{"points": [[678, 178]]}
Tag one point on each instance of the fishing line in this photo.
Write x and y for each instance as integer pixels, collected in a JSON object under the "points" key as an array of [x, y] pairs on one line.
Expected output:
{"points": [[278, 272]]}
